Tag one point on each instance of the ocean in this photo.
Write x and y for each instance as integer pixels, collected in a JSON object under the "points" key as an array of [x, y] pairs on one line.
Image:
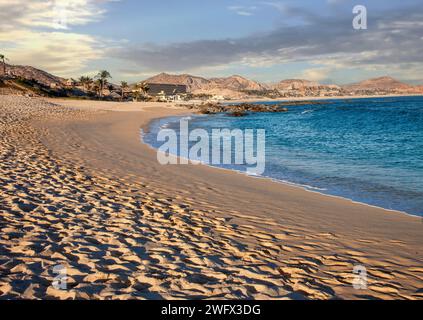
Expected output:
{"points": [[367, 150]]}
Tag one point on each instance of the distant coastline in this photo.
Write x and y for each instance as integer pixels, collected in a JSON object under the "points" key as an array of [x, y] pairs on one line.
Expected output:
{"points": [[250, 100]]}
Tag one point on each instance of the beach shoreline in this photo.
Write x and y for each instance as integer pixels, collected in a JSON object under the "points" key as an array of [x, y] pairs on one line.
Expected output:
{"points": [[145, 129], [267, 235], [308, 188]]}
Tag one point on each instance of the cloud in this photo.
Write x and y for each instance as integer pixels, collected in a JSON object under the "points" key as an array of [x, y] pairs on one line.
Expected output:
{"points": [[393, 37], [316, 74], [58, 52], [38, 32], [47, 13], [335, 1], [243, 10]]}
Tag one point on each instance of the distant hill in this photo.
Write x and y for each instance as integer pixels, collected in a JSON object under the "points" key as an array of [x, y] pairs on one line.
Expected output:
{"points": [[27, 80], [236, 83], [294, 84], [385, 84], [192, 82], [197, 84], [31, 73]]}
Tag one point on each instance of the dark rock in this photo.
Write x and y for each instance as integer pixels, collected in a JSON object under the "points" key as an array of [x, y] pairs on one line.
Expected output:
{"points": [[238, 114], [237, 110]]}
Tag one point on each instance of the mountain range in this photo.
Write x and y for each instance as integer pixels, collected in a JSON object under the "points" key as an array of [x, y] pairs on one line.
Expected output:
{"points": [[237, 86], [232, 86]]}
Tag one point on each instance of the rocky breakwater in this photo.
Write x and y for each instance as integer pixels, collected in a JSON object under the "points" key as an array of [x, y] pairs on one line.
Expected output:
{"points": [[236, 110], [243, 109]]}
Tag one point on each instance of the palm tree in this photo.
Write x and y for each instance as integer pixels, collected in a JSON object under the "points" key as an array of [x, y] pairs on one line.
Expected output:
{"points": [[73, 82], [3, 59], [144, 88], [103, 75], [81, 80], [137, 95], [136, 91], [84, 82], [97, 86], [89, 81], [123, 86], [140, 87]]}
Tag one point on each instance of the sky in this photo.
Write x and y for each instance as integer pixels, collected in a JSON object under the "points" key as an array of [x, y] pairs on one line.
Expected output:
{"points": [[264, 40]]}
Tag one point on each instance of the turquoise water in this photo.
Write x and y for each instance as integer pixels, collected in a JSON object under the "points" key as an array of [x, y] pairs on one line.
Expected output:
{"points": [[367, 150]]}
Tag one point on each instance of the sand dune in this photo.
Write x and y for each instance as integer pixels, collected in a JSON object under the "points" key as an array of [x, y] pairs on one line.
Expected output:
{"points": [[79, 190]]}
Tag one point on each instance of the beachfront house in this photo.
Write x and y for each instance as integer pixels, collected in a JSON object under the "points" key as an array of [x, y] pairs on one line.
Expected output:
{"points": [[167, 92]]}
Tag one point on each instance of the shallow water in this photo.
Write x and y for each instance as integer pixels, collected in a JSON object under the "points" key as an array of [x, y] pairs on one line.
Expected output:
{"points": [[367, 150]]}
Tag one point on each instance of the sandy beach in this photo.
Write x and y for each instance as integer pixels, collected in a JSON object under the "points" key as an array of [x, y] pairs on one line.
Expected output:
{"points": [[79, 189]]}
